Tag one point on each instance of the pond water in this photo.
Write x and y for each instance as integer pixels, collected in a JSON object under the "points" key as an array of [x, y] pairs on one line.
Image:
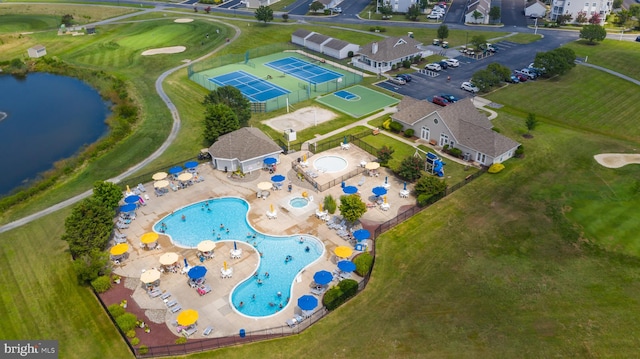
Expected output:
{"points": [[45, 118]]}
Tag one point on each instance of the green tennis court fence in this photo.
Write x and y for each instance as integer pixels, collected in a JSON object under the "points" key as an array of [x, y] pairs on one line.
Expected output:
{"points": [[223, 60]]}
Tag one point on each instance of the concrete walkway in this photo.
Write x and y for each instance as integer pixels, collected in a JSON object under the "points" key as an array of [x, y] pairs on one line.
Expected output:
{"points": [[624, 77]]}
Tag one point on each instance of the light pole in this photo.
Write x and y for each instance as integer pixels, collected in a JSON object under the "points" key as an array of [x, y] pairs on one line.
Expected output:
{"points": [[466, 42], [621, 33], [536, 25], [369, 14]]}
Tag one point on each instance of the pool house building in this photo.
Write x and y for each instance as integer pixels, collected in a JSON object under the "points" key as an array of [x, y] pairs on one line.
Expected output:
{"points": [[244, 149], [381, 55]]}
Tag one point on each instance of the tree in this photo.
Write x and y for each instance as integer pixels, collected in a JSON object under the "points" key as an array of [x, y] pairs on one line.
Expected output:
{"points": [[484, 79], [555, 62], [285, 17], [67, 20], [634, 10], [107, 193], [316, 6], [494, 13], [476, 16], [384, 154], [502, 72], [386, 10], [531, 122], [622, 17], [233, 98], [427, 187], [92, 265], [617, 4], [329, 204], [424, 4], [352, 207], [219, 120], [443, 32], [207, 9], [581, 17], [264, 13], [563, 19], [88, 227], [595, 19], [413, 12], [593, 33], [479, 41], [411, 168]]}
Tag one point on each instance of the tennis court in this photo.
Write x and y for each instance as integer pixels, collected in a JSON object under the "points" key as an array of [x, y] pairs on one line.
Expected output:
{"points": [[357, 101], [254, 88], [304, 70]]}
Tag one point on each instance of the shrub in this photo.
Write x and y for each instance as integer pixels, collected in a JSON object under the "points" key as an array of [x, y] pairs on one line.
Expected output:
{"points": [[101, 284], [116, 310], [409, 132], [406, 64], [520, 151], [131, 333], [331, 298], [386, 124], [126, 322], [395, 126], [394, 67], [428, 187], [384, 154], [330, 204], [349, 288], [350, 54], [411, 168], [135, 341], [143, 349], [363, 263], [181, 340], [456, 152], [496, 168]]}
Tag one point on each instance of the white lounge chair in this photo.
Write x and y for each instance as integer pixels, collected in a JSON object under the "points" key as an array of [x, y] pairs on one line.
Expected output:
{"points": [[207, 330], [176, 309]]}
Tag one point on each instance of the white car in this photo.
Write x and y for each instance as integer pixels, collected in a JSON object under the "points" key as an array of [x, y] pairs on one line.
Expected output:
{"points": [[452, 62], [468, 86], [434, 16], [337, 9], [433, 67]]}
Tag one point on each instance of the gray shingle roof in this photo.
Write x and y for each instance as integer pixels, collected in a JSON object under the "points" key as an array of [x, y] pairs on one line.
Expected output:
{"points": [[243, 144], [336, 44], [391, 48], [318, 38], [302, 33]]}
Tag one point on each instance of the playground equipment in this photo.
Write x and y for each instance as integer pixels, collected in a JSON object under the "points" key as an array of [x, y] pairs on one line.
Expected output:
{"points": [[434, 164]]}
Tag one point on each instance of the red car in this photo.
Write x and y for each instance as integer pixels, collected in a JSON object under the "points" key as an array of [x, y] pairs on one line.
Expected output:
{"points": [[439, 101], [521, 77]]}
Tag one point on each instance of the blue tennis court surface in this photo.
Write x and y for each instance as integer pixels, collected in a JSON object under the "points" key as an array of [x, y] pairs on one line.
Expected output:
{"points": [[346, 95], [254, 88], [304, 70]]}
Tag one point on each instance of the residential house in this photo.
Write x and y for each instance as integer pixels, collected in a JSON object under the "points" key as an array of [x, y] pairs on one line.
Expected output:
{"points": [[326, 45], [573, 7], [459, 125], [379, 56], [37, 51], [244, 149], [482, 7], [401, 6], [254, 4], [535, 8]]}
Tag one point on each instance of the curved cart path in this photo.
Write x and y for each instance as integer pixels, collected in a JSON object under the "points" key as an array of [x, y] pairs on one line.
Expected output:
{"points": [[172, 136]]}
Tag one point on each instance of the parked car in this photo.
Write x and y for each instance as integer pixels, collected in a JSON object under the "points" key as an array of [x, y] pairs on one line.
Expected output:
{"points": [[513, 79], [398, 80], [433, 67], [439, 101], [468, 86], [434, 16], [443, 64], [521, 77], [638, 39], [528, 72], [490, 47], [405, 77], [449, 98], [452, 62], [337, 9]]}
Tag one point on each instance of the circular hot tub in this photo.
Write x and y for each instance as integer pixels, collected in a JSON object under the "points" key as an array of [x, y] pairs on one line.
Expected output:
{"points": [[330, 164], [298, 202]]}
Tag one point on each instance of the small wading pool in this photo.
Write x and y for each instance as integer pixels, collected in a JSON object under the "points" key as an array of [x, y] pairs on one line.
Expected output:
{"points": [[298, 202], [330, 164]]}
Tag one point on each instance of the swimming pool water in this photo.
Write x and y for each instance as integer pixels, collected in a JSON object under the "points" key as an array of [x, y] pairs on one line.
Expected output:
{"points": [[298, 202], [330, 164], [202, 221]]}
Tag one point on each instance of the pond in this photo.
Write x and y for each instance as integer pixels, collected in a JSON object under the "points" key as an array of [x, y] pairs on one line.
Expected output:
{"points": [[45, 118]]}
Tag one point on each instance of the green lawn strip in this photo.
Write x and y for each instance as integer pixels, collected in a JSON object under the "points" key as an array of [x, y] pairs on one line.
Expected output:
{"points": [[619, 56], [40, 297], [402, 150], [521, 38], [35, 13], [584, 98]]}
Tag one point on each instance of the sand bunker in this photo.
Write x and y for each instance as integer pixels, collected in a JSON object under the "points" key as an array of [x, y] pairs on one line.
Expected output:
{"points": [[301, 119], [617, 160], [182, 21], [164, 50]]}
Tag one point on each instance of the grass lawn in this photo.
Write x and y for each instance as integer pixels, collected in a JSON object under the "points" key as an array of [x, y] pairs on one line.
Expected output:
{"points": [[522, 38], [620, 56]]}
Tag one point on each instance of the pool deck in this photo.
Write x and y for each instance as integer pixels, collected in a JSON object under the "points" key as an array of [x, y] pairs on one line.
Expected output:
{"points": [[214, 308]]}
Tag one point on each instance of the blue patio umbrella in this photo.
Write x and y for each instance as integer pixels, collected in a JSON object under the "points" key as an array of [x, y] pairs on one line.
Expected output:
{"points": [[386, 180], [346, 266], [129, 207], [175, 170], [405, 186], [131, 199], [270, 161], [197, 272], [191, 164], [322, 277], [342, 184], [307, 302], [235, 246], [350, 190], [186, 264], [379, 191], [361, 234], [345, 140], [278, 178]]}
